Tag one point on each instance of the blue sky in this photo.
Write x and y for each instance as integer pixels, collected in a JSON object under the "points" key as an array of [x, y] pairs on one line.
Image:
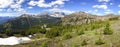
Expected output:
{"points": [[19, 7]]}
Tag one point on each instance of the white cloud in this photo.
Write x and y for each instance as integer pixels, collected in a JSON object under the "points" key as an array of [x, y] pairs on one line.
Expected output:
{"points": [[11, 3], [61, 10], [42, 3], [30, 7], [19, 10], [9, 14], [103, 0], [32, 3], [17, 4], [19, 1], [9, 10], [118, 5], [101, 6], [59, 2], [95, 12], [1, 9], [91, 11], [111, 3], [5, 3], [108, 11], [119, 12]]}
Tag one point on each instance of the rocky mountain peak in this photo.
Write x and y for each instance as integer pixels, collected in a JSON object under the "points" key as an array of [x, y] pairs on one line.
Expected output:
{"points": [[58, 14]]}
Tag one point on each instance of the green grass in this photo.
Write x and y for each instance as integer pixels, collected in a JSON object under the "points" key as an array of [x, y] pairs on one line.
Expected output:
{"points": [[87, 35]]}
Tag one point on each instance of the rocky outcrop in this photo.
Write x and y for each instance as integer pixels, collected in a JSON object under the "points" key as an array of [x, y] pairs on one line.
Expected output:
{"points": [[79, 18]]}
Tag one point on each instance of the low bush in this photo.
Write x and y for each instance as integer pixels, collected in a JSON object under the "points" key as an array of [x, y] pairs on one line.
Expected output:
{"points": [[83, 43], [80, 32], [67, 36], [99, 42], [52, 33], [107, 30]]}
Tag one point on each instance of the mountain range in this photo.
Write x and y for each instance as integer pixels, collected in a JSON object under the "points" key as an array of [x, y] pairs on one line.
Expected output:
{"points": [[82, 28], [5, 19], [26, 20]]}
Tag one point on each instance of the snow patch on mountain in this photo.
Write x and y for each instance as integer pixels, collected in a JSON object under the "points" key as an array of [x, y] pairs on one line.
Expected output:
{"points": [[14, 40]]}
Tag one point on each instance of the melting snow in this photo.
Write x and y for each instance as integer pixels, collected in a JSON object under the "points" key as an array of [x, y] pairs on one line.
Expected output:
{"points": [[13, 40]]}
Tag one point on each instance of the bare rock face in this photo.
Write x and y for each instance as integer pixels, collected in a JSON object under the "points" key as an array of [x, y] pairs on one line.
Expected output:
{"points": [[79, 18], [58, 14]]}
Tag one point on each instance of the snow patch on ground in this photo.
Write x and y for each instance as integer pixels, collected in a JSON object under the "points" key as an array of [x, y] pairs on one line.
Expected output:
{"points": [[14, 40]]}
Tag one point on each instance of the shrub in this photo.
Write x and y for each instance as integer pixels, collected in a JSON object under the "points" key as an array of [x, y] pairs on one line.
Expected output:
{"points": [[43, 31], [114, 18], [9, 33], [80, 32], [67, 36], [107, 30], [52, 33], [99, 42], [83, 43]]}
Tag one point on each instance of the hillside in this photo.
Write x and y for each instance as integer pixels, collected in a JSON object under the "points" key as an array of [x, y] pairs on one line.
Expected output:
{"points": [[26, 21], [89, 35], [79, 18], [20, 24], [59, 23], [75, 30]]}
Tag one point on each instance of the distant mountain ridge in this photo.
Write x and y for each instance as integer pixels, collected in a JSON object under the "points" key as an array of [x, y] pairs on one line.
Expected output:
{"points": [[79, 18], [26, 21], [5, 19]]}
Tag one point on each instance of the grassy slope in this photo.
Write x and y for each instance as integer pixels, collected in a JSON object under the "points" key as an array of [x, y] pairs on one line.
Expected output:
{"points": [[90, 36]]}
